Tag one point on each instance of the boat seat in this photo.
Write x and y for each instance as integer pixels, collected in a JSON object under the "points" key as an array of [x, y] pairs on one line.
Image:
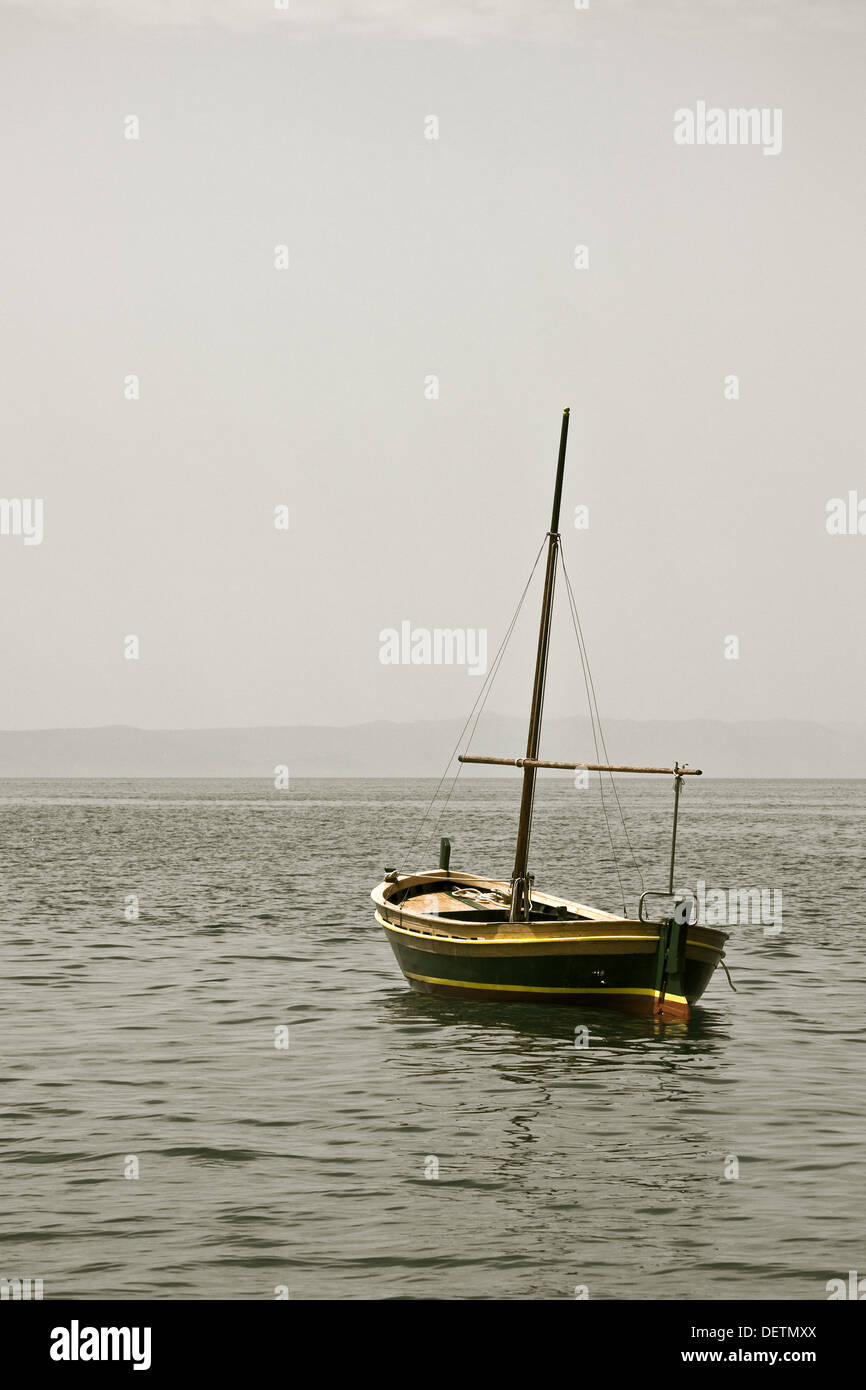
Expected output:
{"points": [[477, 914]]}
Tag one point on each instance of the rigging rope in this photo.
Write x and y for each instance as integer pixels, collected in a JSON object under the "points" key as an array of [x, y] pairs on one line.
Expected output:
{"points": [[595, 725], [480, 702], [595, 718]]}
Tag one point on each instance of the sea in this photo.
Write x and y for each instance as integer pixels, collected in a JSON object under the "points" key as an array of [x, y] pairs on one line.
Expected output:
{"points": [[217, 1085]]}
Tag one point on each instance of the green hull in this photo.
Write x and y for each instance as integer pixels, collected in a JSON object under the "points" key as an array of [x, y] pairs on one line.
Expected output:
{"points": [[626, 982]]}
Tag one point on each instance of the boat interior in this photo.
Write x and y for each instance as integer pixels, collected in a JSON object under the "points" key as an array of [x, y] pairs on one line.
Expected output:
{"points": [[456, 902]]}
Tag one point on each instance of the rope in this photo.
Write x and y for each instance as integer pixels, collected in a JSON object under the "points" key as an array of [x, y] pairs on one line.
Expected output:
{"points": [[595, 724], [480, 702], [597, 753], [595, 717]]}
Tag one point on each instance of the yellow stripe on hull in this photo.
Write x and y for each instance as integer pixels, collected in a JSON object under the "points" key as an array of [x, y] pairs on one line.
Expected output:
{"points": [[543, 989], [506, 940]]}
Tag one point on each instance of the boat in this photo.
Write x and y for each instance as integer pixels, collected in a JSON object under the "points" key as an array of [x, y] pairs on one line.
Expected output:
{"points": [[475, 937]]}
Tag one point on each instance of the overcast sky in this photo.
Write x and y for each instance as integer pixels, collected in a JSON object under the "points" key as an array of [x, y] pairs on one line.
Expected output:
{"points": [[410, 257]]}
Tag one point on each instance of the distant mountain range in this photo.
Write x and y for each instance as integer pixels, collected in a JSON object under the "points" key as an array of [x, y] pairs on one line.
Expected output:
{"points": [[766, 748]]}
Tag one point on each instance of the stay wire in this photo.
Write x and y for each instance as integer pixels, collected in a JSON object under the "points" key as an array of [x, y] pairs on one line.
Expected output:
{"points": [[480, 702], [497, 663], [595, 722], [588, 677], [601, 774], [634, 857]]}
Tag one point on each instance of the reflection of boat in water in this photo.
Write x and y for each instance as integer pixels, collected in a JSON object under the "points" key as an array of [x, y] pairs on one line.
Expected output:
{"points": [[465, 936]]}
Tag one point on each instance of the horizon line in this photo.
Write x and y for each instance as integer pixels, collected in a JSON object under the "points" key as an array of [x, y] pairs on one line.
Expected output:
{"points": [[408, 723]]}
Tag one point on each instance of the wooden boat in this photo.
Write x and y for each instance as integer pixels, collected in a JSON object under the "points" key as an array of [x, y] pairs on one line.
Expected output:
{"points": [[467, 936]]}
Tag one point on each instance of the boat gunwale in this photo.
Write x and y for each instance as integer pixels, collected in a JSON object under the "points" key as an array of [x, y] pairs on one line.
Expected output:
{"points": [[710, 938]]}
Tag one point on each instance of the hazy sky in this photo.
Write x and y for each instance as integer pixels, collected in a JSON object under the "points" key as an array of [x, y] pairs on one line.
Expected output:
{"points": [[409, 257]]}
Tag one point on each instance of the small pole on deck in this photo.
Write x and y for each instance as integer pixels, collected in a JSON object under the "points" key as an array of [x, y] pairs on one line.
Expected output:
{"points": [[678, 777]]}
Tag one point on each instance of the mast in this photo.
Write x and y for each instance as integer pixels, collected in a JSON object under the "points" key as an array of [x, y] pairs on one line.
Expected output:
{"points": [[520, 884]]}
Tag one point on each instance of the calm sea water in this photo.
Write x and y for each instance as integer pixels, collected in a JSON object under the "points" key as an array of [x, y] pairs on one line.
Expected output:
{"points": [[154, 1040]]}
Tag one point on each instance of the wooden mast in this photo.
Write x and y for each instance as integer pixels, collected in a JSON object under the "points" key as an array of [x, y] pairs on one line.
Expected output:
{"points": [[520, 884]]}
